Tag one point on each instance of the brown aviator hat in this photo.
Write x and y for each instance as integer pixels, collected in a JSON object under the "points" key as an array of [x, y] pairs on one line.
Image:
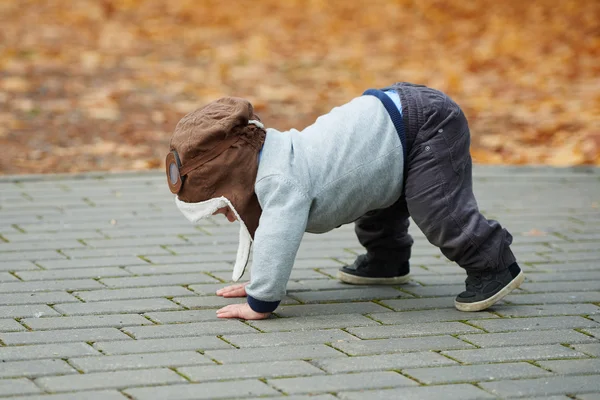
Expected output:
{"points": [[214, 153]]}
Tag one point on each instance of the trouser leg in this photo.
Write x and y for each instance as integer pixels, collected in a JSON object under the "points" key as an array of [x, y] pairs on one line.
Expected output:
{"points": [[439, 193], [384, 233]]}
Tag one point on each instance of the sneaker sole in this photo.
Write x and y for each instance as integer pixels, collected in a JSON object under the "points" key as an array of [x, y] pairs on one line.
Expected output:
{"points": [[483, 304], [362, 280]]}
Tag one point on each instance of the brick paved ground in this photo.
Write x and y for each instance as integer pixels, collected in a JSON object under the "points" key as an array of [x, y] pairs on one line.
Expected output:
{"points": [[106, 292]]}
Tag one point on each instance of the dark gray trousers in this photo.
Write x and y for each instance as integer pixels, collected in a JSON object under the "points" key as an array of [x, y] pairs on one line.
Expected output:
{"points": [[438, 191]]}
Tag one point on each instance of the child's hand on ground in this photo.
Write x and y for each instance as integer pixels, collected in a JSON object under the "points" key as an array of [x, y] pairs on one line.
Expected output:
{"points": [[233, 290], [242, 311]]}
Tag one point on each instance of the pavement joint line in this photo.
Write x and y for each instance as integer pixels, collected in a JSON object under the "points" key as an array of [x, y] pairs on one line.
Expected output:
{"points": [[331, 345], [18, 228], [457, 336], [582, 331], [227, 341], [174, 369]]}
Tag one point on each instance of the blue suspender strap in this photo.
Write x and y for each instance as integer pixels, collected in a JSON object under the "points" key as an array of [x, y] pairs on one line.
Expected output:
{"points": [[394, 114]]}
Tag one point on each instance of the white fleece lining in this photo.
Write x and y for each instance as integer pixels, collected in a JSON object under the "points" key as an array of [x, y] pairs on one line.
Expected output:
{"points": [[194, 212]]}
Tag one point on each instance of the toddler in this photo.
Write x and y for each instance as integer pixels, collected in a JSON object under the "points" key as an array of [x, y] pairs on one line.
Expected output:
{"points": [[382, 157]]}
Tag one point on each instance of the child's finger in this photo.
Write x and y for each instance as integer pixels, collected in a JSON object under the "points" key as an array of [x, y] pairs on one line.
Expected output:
{"points": [[233, 291], [230, 311]]}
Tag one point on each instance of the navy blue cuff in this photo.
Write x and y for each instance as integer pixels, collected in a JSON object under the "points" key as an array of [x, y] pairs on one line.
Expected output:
{"points": [[395, 115], [262, 306]]}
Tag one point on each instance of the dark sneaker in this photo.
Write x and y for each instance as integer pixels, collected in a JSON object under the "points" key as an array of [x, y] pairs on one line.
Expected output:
{"points": [[486, 288], [370, 271]]}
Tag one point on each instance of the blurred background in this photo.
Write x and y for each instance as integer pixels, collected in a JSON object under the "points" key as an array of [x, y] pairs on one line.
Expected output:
{"points": [[94, 85]]}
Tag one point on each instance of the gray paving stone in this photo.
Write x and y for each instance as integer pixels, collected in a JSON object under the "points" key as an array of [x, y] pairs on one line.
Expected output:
{"points": [[329, 309], [116, 252], [592, 349], [393, 345], [418, 329], [209, 289], [132, 242], [117, 306], [525, 338], [546, 310], [170, 317], [35, 368], [139, 361], [37, 298], [594, 317], [382, 362], [572, 266], [544, 386], [577, 246], [334, 383], [261, 354], [191, 329], [191, 258], [10, 325], [59, 336], [15, 387], [49, 286], [349, 294], [588, 396], [43, 245], [411, 317], [593, 331], [435, 290], [446, 392], [436, 280], [314, 284], [549, 298], [6, 277], [33, 255], [200, 391], [109, 380], [514, 353], [87, 395], [73, 273], [312, 322], [572, 367], [537, 323], [475, 373], [420, 304], [554, 287], [158, 280], [552, 398], [298, 274], [42, 351], [270, 369], [563, 276], [133, 293], [300, 397], [576, 256], [83, 263], [194, 249], [86, 321], [199, 343], [179, 268], [23, 311], [284, 338], [18, 266]]}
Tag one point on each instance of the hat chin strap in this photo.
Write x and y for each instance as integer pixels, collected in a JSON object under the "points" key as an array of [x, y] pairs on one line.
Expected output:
{"points": [[194, 212]]}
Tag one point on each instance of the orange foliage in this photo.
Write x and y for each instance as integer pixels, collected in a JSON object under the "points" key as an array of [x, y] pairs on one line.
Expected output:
{"points": [[99, 84]]}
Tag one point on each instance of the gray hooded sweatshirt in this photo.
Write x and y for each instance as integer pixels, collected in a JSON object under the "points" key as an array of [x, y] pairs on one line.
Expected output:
{"points": [[349, 162]]}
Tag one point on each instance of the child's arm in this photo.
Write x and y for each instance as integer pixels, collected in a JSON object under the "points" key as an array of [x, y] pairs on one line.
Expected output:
{"points": [[238, 310], [285, 209]]}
